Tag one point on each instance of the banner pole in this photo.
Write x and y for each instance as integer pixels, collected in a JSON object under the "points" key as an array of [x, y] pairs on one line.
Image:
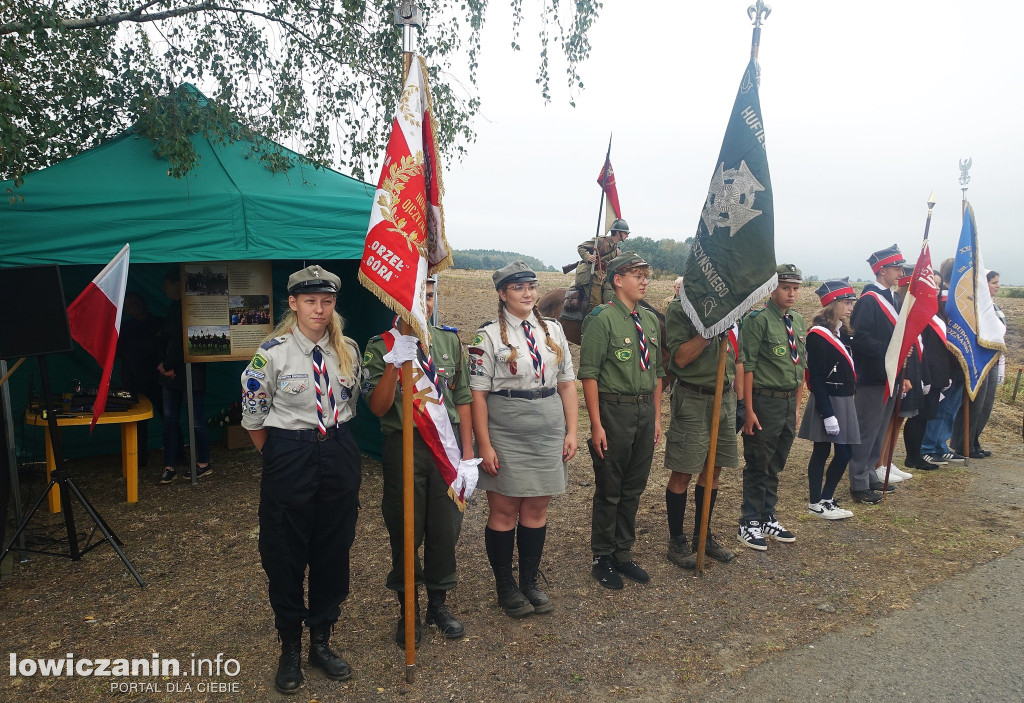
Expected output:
{"points": [[708, 474], [758, 12], [408, 18], [597, 232]]}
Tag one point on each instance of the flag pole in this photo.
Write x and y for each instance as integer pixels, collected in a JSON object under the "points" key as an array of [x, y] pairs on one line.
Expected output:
{"points": [[965, 178], [600, 210], [758, 12], [889, 447], [407, 16]]}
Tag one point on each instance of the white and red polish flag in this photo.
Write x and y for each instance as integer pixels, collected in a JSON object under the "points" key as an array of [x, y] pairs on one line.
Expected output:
{"points": [[606, 179], [405, 241], [917, 311], [95, 320]]}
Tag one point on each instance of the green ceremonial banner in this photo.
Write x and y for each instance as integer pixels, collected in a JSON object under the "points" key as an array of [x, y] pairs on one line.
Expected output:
{"points": [[732, 263]]}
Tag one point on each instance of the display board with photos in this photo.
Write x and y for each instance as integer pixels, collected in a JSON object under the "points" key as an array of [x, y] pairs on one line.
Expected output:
{"points": [[227, 309]]}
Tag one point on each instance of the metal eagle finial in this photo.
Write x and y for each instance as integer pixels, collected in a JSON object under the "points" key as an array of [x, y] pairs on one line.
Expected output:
{"points": [[965, 166], [758, 12]]}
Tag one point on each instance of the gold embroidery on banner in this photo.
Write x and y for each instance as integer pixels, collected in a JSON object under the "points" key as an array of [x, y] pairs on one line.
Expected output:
{"points": [[398, 177], [404, 106]]}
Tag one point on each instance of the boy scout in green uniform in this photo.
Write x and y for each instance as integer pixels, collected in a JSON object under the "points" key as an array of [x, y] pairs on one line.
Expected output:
{"points": [[438, 520], [599, 287], [773, 357], [694, 365], [620, 367]]}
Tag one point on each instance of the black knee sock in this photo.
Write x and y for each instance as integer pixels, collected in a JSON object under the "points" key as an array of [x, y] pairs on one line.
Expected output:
{"points": [[530, 541], [698, 508], [836, 469], [675, 503], [499, 547], [816, 469]]}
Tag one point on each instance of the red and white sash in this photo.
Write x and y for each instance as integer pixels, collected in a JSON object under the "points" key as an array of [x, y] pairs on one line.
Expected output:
{"points": [[734, 340], [433, 423], [938, 326], [830, 337], [886, 306]]}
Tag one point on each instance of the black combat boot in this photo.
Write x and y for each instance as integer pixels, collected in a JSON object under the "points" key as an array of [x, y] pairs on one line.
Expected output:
{"points": [[288, 678], [322, 657], [531, 547], [441, 615], [400, 628]]}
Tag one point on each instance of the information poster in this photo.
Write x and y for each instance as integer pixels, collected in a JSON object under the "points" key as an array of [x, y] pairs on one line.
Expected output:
{"points": [[227, 309]]}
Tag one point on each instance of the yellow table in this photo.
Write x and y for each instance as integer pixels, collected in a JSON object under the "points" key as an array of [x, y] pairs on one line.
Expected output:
{"points": [[128, 419]]}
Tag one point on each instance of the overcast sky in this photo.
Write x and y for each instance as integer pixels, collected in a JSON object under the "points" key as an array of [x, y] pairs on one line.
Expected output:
{"points": [[867, 106]]}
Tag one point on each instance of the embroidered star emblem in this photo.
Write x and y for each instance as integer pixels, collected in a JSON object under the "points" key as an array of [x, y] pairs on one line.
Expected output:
{"points": [[730, 199]]}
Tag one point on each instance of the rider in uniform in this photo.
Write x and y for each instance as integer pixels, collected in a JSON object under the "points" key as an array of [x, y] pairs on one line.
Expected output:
{"points": [[599, 289]]}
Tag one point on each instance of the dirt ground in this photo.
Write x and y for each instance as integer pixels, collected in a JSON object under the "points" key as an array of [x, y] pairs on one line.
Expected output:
{"points": [[664, 641]]}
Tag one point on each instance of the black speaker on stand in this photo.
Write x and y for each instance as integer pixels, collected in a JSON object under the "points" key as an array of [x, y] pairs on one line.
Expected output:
{"points": [[37, 330]]}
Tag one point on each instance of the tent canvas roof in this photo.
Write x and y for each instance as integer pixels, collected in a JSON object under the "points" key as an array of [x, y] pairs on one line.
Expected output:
{"points": [[230, 206]]}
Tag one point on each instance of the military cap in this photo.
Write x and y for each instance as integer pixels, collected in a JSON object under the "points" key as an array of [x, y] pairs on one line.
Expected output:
{"points": [[516, 272], [836, 289], [788, 273], [432, 278], [625, 260], [313, 279], [890, 256], [908, 275]]}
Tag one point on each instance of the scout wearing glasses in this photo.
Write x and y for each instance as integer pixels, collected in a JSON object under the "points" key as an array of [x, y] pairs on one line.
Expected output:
{"points": [[873, 321], [525, 412], [830, 417], [298, 394], [620, 366], [438, 520], [774, 359]]}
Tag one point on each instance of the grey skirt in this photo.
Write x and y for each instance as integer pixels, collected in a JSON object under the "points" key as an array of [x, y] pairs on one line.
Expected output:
{"points": [[527, 435], [812, 427]]}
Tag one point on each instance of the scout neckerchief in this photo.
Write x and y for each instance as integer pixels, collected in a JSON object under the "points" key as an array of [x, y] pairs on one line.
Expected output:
{"points": [[830, 337], [883, 303], [645, 356], [531, 344], [734, 338], [432, 420], [320, 369], [794, 352]]}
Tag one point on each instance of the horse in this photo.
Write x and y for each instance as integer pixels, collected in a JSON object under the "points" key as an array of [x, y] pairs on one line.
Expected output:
{"points": [[550, 305]]}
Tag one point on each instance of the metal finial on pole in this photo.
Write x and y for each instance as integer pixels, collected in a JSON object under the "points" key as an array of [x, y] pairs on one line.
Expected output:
{"points": [[758, 13], [965, 178]]}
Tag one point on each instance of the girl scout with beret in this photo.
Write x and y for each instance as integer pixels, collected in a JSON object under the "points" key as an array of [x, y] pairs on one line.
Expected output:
{"points": [[298, 393], [525, 435], [830, 417]]}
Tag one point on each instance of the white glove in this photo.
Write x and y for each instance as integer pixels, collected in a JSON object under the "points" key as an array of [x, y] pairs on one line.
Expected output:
{"points": [[405, 349], [465, 481], [926, 388], [832, 425]]}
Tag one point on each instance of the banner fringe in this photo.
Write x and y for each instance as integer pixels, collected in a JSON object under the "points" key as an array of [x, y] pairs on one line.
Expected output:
{"points": [[396, 307], [763, 291]]}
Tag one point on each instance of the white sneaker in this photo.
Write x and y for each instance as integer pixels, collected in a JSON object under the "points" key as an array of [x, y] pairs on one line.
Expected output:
{"points": [[832, 511], [880, 473], [816, 508], [893, 469]]}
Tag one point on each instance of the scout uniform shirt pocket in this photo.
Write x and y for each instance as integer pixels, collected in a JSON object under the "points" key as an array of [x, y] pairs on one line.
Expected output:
{"points": [[621, 348], [297, 387]]}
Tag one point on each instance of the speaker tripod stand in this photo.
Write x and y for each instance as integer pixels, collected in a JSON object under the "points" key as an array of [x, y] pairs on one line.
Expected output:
{"points": [[68, 489]]}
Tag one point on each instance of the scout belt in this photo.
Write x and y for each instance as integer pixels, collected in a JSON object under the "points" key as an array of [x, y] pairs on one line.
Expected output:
{"points": [[700, 390], [304, 435], [626, 398], [527, 395], [774, 393]]}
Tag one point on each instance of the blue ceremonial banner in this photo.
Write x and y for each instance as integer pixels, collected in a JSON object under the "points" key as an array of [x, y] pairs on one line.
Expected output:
{"points": [[974, 332]]}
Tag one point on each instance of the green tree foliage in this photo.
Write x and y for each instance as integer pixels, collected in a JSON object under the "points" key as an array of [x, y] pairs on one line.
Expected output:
{"points": [[321, 77], [492, 260], [666, 256]]}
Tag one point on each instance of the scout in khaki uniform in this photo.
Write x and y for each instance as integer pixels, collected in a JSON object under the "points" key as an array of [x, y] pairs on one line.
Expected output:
{"points": [[620, 366], [525, 415], [600, 288], [773, 357], [694, 366], [298, 394], [437, 519]]}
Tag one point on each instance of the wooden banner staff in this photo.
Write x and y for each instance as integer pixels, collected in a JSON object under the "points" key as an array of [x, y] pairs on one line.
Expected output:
{"points": [[965, 178], [407, 16], [597, 233], [708, 474], [895, 422]]}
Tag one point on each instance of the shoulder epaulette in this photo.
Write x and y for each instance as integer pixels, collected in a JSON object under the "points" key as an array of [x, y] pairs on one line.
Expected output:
{"points": [[374, 338], [599, 308], [270, 343], [446, 328], [753, 313], [489, 322]]}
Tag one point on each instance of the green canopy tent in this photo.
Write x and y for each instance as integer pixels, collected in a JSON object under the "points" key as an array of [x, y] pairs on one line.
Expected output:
{"points": [[80, 212]]}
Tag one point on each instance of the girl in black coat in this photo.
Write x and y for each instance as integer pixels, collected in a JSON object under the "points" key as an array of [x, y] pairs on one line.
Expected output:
{"points": [[830, 418]]}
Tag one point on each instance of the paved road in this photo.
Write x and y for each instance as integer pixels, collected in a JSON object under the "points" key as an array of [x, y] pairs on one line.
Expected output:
{"points": [[962, 640]]}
